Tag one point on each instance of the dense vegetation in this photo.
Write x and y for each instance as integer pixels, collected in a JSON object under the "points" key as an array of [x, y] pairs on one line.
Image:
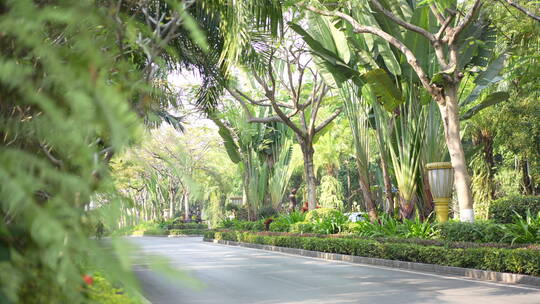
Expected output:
{"points": [[142, 117]]}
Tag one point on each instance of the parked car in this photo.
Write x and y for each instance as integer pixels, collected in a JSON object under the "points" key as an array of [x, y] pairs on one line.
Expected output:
{"points": [[357, 216]]}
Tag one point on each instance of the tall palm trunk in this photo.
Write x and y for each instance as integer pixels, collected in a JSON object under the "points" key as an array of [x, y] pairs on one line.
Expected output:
{"points": [[186, 206], [387, 186]]}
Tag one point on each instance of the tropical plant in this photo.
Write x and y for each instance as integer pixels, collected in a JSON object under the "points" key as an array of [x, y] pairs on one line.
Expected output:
{"points": [[418, 228], [524, 229], [429, 30], [330, 193], [289, 73]]}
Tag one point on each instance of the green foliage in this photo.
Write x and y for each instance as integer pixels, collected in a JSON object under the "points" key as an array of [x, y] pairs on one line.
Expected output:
{"points": [[242, 225], [524, 229], [504, 209], [322, 214], [524, 261], [330, 193], [149, 228], [178, 232], [418, 229], [188, 226], [302, 227], [482, 232], [284, 222], [101, 291], [267, 212], [65, 90], [327, 221], [280, 224]]}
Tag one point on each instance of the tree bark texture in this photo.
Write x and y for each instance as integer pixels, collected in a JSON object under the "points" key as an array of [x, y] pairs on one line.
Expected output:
{"points": [[462, 181], [526, 181], [368, 199], [186, 207], [387, 187], [309, 171]]}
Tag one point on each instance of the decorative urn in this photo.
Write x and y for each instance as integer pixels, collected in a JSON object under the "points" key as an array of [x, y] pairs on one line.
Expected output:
{"points": [[441, 182]]}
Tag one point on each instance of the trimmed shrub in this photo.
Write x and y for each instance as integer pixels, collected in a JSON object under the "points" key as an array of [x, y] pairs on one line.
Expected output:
{"points": [[188, 226], [482, 232], [248, 225], [519, 260], [149, 231], [187, 231], [242, 225], [502, 210]]}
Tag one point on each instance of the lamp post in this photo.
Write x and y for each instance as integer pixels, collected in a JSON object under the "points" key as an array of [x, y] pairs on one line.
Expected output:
{"points": [[441, 182]]}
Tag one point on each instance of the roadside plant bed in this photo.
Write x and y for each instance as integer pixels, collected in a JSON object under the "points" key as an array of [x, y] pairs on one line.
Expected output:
{"points": [[513, 260], [192, 226], [187, 231], [174, 232], [415, 241]]}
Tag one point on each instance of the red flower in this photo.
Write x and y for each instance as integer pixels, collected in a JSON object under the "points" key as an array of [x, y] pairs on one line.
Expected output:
{"points": [[88, 279]]}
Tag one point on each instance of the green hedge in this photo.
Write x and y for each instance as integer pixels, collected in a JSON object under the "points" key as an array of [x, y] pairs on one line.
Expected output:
{"points": [[482, 232], [188, 226], [521, 260], [187, 231], [502, 210], [150, 231]]}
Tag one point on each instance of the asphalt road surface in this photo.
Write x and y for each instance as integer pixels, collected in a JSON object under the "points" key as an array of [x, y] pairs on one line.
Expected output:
{"points": [[226, 274]]}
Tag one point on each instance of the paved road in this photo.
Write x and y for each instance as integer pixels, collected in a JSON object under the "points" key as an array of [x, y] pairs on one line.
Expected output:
{"points": [[241, 275]]}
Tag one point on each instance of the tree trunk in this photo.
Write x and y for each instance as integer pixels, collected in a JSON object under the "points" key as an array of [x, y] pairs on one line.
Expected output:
{"points": [[428, 197], [309, 171], [462, 180], [387, 186], [186, 206], [368, 200], [526, 178], [406, 207]]}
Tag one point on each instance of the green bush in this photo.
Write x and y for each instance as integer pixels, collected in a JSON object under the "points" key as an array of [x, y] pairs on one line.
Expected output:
{"points": [[502, 210], [388, 226], [101, 291], [524, 229], [241, 225], [280, 224], [248, 225], [482, 232], [524, 261], [284, 222], [322, 213], [418, 229], [267, 212], [302, 227], [327, 221], [149, 231]]}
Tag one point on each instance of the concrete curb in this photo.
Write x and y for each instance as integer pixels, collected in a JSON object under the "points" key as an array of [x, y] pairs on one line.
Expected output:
{"points": [[483, 275]]}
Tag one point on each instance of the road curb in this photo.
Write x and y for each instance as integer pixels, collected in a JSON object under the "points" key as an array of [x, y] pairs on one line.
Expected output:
{"points": [[482, 275]]}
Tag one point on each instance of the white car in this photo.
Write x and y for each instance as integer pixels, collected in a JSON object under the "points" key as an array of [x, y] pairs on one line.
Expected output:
{"points": [[356, 216]]}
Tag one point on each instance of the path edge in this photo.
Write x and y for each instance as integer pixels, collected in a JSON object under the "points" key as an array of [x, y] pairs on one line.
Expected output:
{"points": [[482, 275]]}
